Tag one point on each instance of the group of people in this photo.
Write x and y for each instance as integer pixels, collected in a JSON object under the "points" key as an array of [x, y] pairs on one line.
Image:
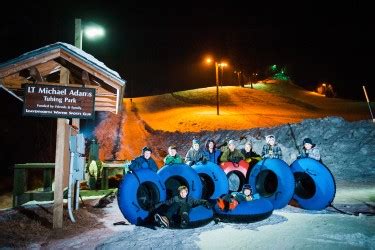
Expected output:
{"points": [[180, 205], [227, 152]]}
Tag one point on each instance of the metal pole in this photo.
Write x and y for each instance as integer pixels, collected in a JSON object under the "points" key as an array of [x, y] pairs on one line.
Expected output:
{"points": [[78, 33], [217, 87], [78, 44], [368, 103], [222, 75]]}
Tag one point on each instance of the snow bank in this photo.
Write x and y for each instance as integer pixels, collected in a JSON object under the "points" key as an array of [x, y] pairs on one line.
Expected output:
{"points": [[347, 148]]}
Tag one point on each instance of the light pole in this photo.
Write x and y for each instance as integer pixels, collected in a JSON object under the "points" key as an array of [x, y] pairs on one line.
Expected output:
{"points": [[91, 31], [209, 60], [217, 87], [222, 65], [253, 78], [238, 77]]}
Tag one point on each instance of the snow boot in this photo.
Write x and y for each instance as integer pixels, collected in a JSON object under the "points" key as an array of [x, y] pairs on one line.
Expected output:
{"points": [[184, 220], [162, 221]]}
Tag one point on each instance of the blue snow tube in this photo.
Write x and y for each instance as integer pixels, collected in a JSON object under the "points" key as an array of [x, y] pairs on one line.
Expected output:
{"points": [[214, 180], [175, 175], [137, 193], [315, 185], [245, 212], [273, 180], [200, 216]]}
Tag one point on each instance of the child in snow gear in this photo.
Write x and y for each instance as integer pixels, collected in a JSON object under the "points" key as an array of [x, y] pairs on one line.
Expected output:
{"points": [[250, 155], [230, 201], [172, 157], [309, 150], [271, 149], [144, 161], [178, 209], [211, 152], [232, 154], [195, 154]]}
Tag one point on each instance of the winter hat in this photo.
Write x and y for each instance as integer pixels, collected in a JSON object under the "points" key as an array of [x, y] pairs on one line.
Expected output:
{"points": [[231, 142], [246, 186], [308, 140], [146, 149], [182, 188], [196, 141], [269, 137]]}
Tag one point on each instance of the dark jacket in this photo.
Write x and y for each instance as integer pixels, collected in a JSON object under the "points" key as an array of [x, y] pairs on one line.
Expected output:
{"points": [[249, 154], [141, 162], [193, 156], [311, 153], [214, 156], [191, 202], [233, 156]]}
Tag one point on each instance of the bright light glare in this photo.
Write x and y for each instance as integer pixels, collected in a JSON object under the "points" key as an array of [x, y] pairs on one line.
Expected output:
{"points": [[93, 32], [208, 60]]}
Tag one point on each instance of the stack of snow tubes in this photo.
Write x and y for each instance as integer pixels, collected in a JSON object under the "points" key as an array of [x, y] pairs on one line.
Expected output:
{"points": [[306, 183]]}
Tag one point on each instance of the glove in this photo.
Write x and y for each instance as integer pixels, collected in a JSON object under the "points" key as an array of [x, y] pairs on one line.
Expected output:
{"points": [[204, 161], [207, 204], [191, 163]]}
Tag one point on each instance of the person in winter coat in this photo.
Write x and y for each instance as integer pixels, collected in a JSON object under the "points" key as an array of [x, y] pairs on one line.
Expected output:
{"points": [[172, 157], [144, 161], [178, 210], [230, 201], [271, 149], [231, 153], [195, 154], [309, 150], [211, 152], [250, 155]]}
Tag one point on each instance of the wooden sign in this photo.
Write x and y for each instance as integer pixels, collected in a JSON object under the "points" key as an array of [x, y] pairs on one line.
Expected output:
{"points": [[59, 101]]}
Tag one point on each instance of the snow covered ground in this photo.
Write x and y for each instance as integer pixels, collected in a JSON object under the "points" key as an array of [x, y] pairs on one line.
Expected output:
{"points": [[287, 228], [345, 139], [347, 148]]}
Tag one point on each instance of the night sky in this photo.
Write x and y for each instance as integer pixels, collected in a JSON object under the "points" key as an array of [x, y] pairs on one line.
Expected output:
{"points": [[160, 48]]}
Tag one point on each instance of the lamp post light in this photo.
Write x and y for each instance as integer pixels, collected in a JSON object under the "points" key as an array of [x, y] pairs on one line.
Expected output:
{"points": [[253, 78], [222, 65], [209, 60], [238, 77], [91, 32]]}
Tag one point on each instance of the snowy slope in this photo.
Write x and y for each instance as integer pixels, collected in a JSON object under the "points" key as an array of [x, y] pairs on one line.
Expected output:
{"points": [[242, 108]]}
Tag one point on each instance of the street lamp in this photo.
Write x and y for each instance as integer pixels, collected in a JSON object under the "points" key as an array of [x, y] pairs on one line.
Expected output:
{"points": [[222, 65], [91, 32], [209, 60], [238, 77], [253, 78]]}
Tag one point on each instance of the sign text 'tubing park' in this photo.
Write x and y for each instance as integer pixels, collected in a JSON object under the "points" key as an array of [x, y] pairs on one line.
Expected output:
{"points": [[59, 101]]}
